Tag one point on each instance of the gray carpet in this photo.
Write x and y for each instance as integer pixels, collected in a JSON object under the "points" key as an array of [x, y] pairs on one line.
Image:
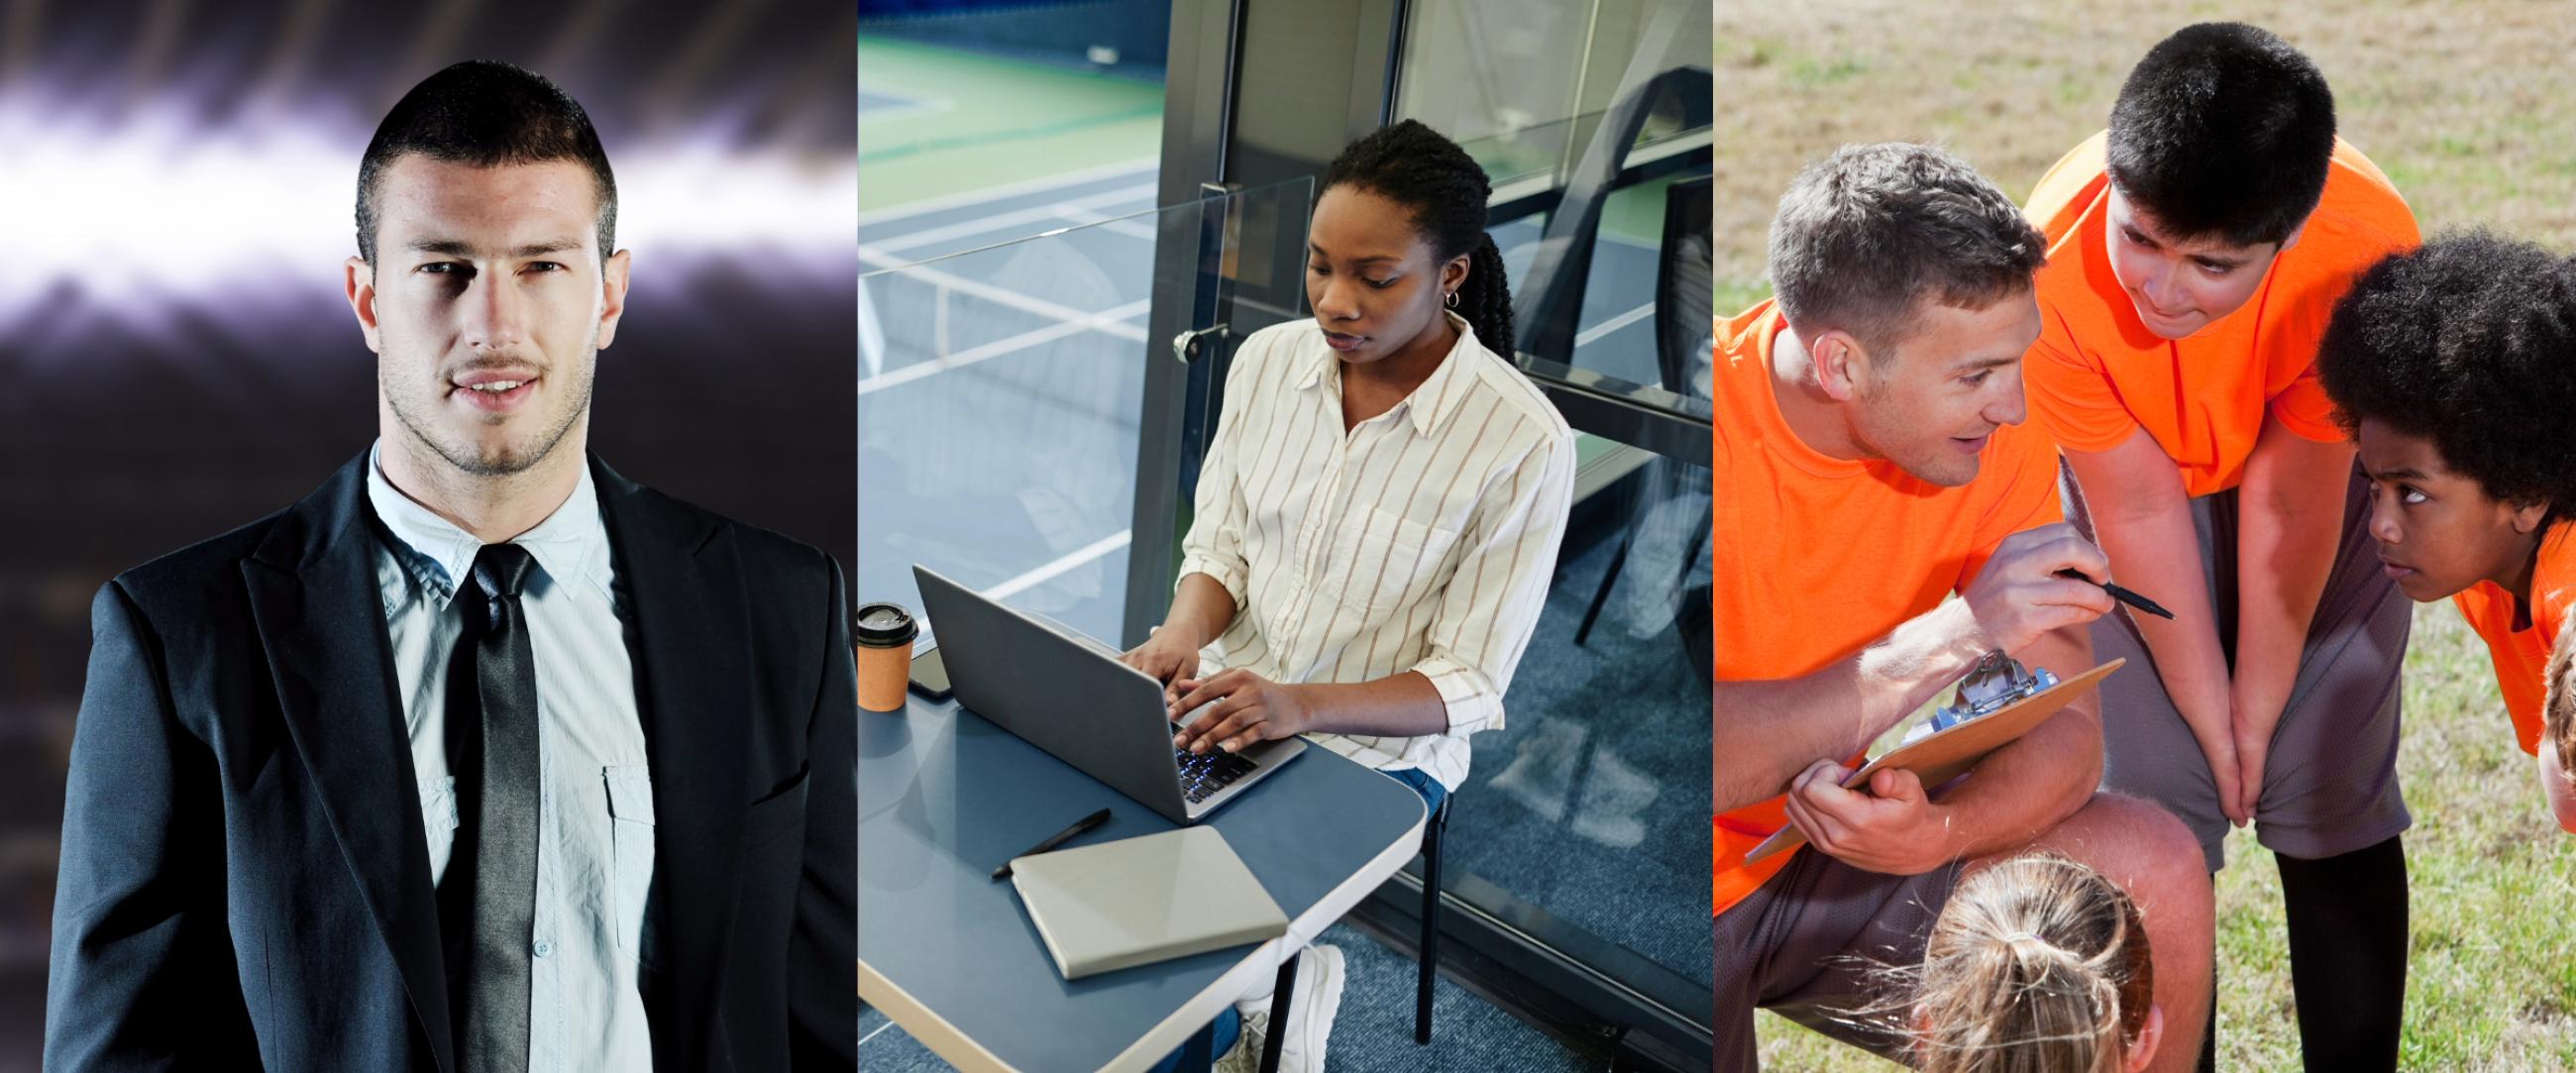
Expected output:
{"points": [[1372, 1031]]}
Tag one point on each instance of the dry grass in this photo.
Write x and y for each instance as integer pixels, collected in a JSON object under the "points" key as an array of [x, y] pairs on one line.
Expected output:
{"points": [[2470, 107]]}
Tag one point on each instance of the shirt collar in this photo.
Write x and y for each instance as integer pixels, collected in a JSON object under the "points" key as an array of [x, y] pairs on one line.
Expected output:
{"points": [[1435, 398], [572, 543]]}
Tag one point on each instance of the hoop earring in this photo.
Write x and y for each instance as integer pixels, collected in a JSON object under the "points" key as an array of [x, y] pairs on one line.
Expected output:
{"points": [[1450, 300]]}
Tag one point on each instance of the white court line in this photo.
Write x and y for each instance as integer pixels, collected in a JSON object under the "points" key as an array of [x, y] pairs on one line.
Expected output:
{"points": [[863, 1040], [991, 293], [1104, 321], [1010, 190], [1044, 574], [1614, 324], [983, 224]]}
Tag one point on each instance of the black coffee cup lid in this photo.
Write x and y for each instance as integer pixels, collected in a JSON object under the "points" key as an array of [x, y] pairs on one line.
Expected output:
{"points": [[884, 625]]}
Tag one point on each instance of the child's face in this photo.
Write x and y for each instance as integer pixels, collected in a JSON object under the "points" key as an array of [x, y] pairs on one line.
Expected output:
{"points": [[2438, 531], [2181, 285]]}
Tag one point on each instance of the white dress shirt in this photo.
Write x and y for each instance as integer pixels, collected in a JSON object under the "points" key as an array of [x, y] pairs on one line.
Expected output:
{"points": [[1420, 540], [595, 796]]}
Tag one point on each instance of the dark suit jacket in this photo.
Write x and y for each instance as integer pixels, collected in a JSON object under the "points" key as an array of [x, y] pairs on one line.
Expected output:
{"points": [[245, 881]]}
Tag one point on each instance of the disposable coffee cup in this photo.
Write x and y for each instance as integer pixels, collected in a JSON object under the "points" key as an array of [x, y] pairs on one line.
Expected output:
{"points": [[884, 634]]}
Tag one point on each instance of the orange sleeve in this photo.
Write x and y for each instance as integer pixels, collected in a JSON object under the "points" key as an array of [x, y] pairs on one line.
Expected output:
{"points": [[2303, 408], [2071, 394], [2368, 223], [2027, 498]]}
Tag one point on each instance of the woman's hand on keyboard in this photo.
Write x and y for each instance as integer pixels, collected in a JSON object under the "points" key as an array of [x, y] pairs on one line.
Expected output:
{"points": [[1240, 708], [1168, 656]]}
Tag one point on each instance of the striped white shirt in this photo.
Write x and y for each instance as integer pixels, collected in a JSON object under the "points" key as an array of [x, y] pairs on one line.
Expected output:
{"points": [[1421, 540]]}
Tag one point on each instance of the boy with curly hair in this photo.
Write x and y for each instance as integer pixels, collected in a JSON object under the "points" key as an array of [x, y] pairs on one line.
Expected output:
{"points": [[2455, 367]]}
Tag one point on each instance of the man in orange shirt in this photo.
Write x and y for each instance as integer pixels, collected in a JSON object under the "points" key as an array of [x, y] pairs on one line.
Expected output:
{"points": [[1870, 461], [2455, 368], [2196, 249]]}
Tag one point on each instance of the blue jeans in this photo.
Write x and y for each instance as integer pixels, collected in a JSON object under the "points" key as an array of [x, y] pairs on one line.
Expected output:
{"points": [[1422, 783], [1228, 1025]]}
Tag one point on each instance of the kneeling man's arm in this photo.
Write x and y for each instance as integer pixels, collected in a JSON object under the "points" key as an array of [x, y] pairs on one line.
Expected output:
{"points": [[1768, 733], [2021, 790]]}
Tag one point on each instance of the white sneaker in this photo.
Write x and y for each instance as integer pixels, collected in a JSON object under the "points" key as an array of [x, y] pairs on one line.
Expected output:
{"points": [[1317, 997], [1246, 1055]]}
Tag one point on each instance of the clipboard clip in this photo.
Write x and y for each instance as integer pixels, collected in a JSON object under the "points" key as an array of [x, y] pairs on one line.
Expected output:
{"points": [[1998, 682]]}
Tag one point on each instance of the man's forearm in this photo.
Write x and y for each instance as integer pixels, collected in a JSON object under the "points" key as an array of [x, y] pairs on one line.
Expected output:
{"points": [[1767, 732]]}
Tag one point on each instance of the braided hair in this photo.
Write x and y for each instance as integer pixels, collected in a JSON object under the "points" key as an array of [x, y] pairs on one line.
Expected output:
{"points": [[1445, 190]]}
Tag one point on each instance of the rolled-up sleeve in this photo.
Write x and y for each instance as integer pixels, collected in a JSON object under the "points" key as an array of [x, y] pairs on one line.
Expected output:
{"points": [[1491, 605], [1214, 544]]}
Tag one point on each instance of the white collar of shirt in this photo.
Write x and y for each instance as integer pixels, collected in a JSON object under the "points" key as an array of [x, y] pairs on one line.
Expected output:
{"points": [[1433, 399], [571, 543]]}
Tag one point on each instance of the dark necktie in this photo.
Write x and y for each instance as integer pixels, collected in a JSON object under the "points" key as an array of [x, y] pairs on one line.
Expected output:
{"points": [[489, 929]]}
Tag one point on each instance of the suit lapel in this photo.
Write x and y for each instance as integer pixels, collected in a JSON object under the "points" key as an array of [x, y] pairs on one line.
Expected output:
{"points": [[320, 619], [679, 570]]}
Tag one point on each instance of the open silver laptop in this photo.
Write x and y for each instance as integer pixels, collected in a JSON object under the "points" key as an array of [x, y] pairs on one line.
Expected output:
{"points": [[1070, 696]]}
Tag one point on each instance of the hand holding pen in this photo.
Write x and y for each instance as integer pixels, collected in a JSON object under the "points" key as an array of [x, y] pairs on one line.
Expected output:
{"points": [[2117, 593]]}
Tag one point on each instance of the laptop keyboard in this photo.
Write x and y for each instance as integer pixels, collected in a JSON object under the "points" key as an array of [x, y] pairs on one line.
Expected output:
{"points": [[1203, 774]]}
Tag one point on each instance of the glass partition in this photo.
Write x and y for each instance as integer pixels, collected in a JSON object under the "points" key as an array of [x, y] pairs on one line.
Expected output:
{"points": [[1001, 389]]}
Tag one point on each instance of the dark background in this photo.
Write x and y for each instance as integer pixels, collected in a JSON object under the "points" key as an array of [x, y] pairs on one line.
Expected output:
{"points": [[176, 188]]}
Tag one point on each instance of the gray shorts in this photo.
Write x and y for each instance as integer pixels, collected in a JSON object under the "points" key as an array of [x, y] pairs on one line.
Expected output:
{"points": [[2330, 781], [1805, 945]]}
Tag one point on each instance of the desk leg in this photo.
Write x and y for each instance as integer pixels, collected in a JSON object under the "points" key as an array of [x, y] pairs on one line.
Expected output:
{"points": [[1280, 1000]]}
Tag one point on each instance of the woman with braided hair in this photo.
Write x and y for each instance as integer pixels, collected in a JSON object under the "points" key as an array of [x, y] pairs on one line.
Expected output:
{"points": [[1378, 514]]}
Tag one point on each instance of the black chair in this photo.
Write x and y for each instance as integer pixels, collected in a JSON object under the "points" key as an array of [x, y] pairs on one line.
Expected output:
{"points": [[1682, 325]]}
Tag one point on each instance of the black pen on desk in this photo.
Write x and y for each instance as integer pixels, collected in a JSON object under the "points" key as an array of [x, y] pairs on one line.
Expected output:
{"points": [[1061, 837], [2117, 593]]}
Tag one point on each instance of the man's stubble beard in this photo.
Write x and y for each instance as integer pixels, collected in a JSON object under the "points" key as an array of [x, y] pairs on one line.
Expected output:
{"points": [[471, 462]]}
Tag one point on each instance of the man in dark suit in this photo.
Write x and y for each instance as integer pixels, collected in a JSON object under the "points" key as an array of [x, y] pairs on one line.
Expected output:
{"points": [[481, 757]]}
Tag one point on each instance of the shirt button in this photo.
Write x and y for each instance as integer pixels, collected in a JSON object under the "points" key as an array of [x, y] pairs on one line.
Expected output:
{"points": [[545, 948]]}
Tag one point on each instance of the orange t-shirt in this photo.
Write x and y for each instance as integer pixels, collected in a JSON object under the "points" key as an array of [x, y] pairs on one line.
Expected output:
{"points": [[2096, 372], [1817, 557], [2521, 657]]}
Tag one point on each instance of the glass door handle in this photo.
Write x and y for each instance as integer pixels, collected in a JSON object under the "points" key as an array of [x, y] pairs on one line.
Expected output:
{"points": [[1187, 346]]}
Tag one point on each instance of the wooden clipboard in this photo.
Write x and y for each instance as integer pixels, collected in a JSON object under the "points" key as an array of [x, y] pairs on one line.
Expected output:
{"points": [[1941, 756]]}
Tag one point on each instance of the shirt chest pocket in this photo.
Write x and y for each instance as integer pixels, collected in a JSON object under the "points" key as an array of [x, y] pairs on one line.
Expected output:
{"points": [[1383, 559], [631, 830]]}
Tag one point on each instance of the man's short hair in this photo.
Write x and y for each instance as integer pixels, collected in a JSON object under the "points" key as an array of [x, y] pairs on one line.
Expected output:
{"points": [[2469, 342], [2223, 130], [487, 114], [1865, 235]]}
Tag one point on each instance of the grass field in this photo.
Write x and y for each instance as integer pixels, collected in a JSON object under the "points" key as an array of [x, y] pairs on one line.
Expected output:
{"points": [[2468, 107]]}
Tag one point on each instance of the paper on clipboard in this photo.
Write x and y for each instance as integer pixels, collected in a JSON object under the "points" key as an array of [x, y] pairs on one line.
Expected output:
{"points": [[1942, 756]]}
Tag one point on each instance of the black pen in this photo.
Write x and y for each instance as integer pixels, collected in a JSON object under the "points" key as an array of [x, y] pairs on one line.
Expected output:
{"points": [[1061, 837], [2117, 593]]}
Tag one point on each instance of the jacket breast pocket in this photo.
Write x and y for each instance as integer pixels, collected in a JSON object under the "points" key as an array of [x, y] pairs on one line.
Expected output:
{"points": [[438, 821], [1391, 559], [631, 832]]}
